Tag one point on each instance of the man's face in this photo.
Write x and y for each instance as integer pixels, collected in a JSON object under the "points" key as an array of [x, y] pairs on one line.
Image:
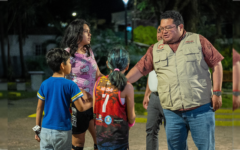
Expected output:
{"points": [[159, 34], [170, 32]]}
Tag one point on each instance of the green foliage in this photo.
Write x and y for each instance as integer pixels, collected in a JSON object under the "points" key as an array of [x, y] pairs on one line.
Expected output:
{"points": [[236, 45], [105, 40], [36, 64], [139, 110], [207, 30], [226, 51], [226, 101], [146, 35]]}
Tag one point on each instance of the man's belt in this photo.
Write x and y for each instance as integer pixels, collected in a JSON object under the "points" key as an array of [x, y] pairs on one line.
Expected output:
{"points": [[188, 108], [156, 93]]}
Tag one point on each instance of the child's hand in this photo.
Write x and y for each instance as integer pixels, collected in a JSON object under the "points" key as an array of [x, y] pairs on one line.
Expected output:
{"points": [[86, 96], [37, 138]]}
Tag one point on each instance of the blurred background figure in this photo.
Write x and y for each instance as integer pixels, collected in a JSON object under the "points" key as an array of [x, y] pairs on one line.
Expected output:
{"points": [[155, 112]]}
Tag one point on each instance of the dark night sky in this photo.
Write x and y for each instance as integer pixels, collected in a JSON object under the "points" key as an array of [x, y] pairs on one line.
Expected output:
{"points": [[104, 8]]}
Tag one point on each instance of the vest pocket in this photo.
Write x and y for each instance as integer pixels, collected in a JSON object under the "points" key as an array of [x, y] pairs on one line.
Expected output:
{"points": [[199, 89], [191, 57], [191, 54], [162, 60], [164, 95]]}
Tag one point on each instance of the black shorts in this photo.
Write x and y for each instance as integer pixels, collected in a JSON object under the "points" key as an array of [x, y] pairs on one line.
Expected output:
{"points": [[80, 120]]}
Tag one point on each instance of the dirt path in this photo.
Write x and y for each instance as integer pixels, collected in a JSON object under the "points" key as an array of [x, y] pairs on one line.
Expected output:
{"points": [[16, 132]]}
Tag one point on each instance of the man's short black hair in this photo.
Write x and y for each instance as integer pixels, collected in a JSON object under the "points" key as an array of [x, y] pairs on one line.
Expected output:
{"points": [[175, 15], [55, 57]]}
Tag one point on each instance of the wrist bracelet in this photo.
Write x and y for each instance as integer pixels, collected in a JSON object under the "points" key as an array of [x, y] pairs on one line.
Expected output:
{"points": [[130, 125], [217, 91]]}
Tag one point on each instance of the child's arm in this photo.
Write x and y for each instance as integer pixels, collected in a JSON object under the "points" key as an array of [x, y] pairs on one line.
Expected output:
{"points": [[130, 103], [85, 102], [39, 112]]}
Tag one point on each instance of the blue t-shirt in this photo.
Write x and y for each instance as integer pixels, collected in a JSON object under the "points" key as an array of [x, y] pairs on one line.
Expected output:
{"points": [[58, 92]]}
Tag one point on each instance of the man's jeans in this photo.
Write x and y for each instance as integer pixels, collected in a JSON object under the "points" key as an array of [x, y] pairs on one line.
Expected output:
{"points": [[154, 119], [55, 139], [200, 122]]}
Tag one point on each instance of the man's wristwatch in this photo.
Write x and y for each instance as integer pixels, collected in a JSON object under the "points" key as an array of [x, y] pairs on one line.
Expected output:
{"points": [[217, 93], [236, 92]]}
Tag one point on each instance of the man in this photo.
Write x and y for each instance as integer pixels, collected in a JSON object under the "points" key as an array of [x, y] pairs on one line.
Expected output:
{"points": [[181, 62], [236, 79], [154, 108]]}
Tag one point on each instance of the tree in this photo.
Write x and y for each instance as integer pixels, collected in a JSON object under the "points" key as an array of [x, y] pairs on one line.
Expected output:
{"points": [[3, 36], [22, 15], [149, 8]]}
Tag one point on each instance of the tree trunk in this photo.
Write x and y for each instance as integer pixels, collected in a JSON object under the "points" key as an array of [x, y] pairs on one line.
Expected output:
{"points": [[192, 19], [10, 71], [20, 39], [2, 49]]}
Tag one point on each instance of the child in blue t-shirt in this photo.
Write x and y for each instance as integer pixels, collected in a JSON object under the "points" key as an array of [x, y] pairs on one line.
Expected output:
{"points": [[55, 95]]}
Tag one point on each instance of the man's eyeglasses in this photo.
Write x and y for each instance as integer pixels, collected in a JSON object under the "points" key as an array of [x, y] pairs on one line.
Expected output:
{"points": [[167, 28]]}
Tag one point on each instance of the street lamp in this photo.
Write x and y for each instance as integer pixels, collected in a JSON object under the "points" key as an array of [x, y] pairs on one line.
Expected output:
{"points": [[74, 14], [125, 4]]}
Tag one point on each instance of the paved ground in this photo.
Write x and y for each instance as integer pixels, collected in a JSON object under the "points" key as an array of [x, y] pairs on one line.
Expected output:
{"points": [[16, 132]]}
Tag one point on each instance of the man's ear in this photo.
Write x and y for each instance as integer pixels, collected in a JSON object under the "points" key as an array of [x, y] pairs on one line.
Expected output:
{"points": [[181, 27]]}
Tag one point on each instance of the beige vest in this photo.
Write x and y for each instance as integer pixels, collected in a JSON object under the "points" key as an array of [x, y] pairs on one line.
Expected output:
{"points": [[184, 80]]}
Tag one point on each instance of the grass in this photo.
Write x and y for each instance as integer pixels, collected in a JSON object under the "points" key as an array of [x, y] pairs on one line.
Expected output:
{"points": [[3, 95], [226, 101], [12, 95], [138, 98]]}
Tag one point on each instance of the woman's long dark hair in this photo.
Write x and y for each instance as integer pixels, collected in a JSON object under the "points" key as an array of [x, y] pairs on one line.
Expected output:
{"points": [[118, 58], [73, 35]]}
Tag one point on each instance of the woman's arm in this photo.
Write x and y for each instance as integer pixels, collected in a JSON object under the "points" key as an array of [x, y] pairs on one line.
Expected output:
{"points": [[94, 96], [130, 103]]}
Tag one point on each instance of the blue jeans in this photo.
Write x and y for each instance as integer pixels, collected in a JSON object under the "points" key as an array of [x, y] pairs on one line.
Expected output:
{"points": [[200, 122], [115, 147], [55, 139]]}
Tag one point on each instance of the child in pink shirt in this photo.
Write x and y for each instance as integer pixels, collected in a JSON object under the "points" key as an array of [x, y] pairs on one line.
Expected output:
{"points": [[84, 73]]}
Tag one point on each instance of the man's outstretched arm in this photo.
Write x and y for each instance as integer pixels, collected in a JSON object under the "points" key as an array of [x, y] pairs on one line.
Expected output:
{"points": [[133, 75]]}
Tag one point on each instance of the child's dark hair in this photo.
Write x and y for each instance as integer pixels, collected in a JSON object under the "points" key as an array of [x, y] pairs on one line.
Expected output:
{"points": [[73, 35], [55, 57], [118, 59]]}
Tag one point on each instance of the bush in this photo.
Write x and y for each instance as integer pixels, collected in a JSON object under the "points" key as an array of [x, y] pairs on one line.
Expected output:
{"points": [[105, 40], [146, 35]]}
